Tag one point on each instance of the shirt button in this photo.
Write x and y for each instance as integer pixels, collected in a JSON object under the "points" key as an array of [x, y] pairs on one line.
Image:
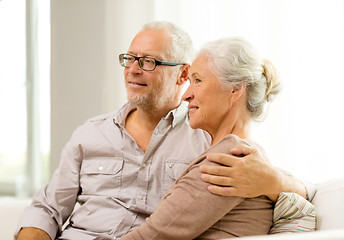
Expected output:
{"points": [[144, 165], [100, 168], [140, 197], [171, 165]]}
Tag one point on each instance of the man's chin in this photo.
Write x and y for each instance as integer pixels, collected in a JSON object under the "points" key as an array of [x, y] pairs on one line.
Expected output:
{"points": [[141, 102], [136, 100]]}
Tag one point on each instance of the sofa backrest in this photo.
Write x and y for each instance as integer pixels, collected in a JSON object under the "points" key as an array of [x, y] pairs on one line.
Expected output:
{"points": [[329, 203]]}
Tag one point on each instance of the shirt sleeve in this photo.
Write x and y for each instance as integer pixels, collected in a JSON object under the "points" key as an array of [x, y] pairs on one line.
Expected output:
{"points": [[186, 211], [52, 205], [310, 189]]}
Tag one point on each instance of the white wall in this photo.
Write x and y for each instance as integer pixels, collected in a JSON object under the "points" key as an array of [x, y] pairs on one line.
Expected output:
{"points": [[86, 79]]}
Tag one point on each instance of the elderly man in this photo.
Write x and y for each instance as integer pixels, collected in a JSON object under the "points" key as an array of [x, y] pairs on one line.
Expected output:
{"points": [[117, 166]]}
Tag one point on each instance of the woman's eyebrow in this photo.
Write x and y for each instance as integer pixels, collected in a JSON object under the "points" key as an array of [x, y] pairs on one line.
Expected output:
{"points": [[194, 75]]}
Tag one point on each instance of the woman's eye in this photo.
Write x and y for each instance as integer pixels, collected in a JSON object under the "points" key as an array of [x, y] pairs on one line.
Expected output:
{"points": [[194, 80]]}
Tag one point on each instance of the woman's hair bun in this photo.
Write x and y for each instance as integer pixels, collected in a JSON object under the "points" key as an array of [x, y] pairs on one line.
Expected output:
{"points": [[272, 80]]}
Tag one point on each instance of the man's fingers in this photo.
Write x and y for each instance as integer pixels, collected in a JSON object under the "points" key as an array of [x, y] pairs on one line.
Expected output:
{"points": [[230, 160], [222, 158], [216, 170], [217, 180], [223, 191], [242, 150]]}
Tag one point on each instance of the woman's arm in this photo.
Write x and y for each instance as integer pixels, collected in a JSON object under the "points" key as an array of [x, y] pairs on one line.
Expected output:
{"points": [[186, 211]]}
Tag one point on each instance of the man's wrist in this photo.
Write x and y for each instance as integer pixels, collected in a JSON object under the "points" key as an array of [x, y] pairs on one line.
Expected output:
{"points": [[285, 183], [277, 180]]}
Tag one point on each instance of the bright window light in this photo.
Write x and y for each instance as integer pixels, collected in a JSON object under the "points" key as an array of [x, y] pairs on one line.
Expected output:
{"points": [[20, 174], [304, 39]]}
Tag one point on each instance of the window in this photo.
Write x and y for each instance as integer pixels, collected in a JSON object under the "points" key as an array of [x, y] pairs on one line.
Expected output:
{"points": [[24, 95]]}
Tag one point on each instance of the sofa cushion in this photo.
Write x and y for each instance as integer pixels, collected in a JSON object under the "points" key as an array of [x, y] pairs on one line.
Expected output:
{"points": [[293, 213], [329, 202], [10, 212], [317, 235]]}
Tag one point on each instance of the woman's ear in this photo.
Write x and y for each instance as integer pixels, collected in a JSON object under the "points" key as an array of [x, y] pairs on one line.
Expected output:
{"points": [[184, 74], [237, 91]]}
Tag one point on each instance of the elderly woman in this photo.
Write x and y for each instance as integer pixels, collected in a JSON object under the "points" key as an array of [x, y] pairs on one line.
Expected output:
{"points": [[229, 86]]}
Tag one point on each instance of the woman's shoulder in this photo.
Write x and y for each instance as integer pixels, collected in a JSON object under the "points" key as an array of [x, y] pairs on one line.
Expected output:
{"points": [[227, 143]]}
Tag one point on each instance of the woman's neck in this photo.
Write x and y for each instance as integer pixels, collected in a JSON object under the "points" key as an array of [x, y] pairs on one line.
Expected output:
{"points": [[234, 123]]}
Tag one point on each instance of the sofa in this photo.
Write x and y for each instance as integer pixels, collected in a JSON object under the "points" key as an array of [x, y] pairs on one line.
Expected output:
{"points": [[329, 204], [328, 200], [10, 212]]}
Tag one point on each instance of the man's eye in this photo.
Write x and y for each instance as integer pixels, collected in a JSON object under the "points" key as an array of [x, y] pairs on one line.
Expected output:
{"points": [[197, 80], [149, 61]]}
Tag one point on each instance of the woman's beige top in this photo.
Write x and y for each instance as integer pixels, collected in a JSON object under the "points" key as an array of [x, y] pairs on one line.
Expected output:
{"points": [[189, 211]]}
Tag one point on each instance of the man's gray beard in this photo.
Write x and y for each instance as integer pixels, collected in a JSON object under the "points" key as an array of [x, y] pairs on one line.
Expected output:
{"points": [[149, 102], [153, 101]]}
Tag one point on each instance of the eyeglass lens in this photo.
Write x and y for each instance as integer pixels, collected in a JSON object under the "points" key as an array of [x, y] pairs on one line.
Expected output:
{"points": [[145, 63]]}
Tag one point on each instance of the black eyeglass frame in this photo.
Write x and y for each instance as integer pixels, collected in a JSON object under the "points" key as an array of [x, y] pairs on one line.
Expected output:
{"points": [[157, 62]]}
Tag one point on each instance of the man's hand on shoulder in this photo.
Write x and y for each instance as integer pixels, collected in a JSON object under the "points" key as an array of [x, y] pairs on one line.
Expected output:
{"points": [[247, 173], [32, 234]]}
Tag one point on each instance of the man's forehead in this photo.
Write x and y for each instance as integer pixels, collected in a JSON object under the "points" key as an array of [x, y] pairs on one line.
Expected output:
{"points": [[153, 43]]}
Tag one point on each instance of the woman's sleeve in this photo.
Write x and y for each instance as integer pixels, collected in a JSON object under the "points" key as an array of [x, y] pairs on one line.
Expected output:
{"points": [[186, 211]]}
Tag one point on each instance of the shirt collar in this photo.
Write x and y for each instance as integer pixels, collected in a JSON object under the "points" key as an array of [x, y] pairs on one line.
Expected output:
{"points": [[178, 114], [122, 114]]}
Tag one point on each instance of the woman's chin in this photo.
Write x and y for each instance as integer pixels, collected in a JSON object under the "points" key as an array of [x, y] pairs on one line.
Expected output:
{"points": [[194, 125]]}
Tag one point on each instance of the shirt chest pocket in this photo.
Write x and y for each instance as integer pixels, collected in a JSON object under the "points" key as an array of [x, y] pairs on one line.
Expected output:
{"points": [[101, 176], [173, 169]]}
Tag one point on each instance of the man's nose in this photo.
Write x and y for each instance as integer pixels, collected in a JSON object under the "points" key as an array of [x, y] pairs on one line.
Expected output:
{"points": [[135, 67], [187, 96]]}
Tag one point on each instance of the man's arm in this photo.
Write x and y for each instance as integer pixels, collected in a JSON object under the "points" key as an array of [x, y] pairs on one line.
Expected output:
{"points": [[32, 234], [248, 175], [52, 205]]}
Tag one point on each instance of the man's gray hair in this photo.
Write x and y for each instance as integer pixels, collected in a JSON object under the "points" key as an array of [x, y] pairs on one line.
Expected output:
{"points": [[181, 49]]}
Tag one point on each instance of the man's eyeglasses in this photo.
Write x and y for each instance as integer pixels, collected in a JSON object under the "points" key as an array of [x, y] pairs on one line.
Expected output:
{"points": [[145, 63]]}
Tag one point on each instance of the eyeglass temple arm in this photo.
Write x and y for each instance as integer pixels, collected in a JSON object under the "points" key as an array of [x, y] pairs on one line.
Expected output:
{"points": [[168, 63]]}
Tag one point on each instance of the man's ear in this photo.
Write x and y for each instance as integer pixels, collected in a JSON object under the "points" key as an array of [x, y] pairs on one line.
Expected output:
{"points": [[184, 74], [237, 91]]}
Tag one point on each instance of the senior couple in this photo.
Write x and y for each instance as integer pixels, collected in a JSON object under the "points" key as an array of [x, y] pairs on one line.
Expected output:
{"points": [[143, 173]]}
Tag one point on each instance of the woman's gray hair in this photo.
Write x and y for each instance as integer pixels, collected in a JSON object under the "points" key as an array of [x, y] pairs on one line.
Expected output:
{"points": [[235, 62], [181, 49]]}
